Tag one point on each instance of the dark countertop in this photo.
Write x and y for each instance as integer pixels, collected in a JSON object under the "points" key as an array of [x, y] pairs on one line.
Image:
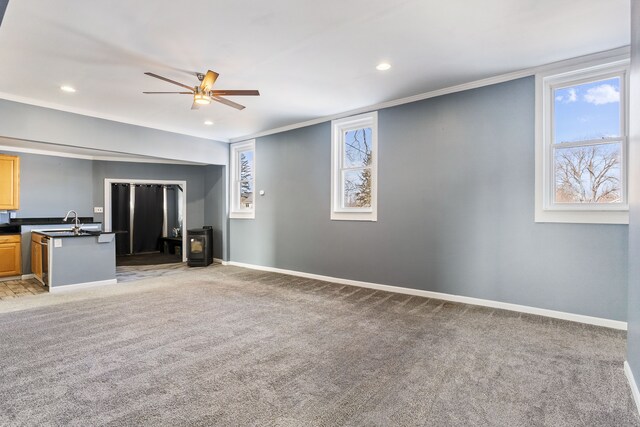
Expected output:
{"points": [[9, 229], [66, 233], [15, 224]]}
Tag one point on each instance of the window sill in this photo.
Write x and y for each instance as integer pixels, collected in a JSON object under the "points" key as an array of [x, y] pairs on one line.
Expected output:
{"points": [[242, 215], [354, 216], [582, 217]]}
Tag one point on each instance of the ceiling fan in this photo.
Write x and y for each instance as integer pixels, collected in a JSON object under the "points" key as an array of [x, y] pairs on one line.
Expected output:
{"points": [[204, 94]]}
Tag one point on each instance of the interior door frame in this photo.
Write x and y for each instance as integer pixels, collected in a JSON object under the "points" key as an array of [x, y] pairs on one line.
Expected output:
{"points": [[107, 202]]}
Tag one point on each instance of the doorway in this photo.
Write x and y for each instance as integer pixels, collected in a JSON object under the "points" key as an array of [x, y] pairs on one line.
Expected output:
{"points": [[148, 218]]}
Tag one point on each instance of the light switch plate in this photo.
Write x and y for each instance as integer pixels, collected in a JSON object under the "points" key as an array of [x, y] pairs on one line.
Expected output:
{"points": [[98, 209], [57, 243]]}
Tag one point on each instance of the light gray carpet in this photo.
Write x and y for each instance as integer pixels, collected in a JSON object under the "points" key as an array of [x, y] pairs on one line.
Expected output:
{"points": [[232, 347]]}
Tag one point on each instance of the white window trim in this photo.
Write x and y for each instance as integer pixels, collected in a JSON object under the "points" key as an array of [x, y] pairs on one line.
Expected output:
{"points": [[338, 127], [545, 210], [234, 190]]}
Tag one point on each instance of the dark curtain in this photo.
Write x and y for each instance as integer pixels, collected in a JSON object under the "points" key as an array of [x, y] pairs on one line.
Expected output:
{"points": [[120, 217], [147, 218], [172, 209]]}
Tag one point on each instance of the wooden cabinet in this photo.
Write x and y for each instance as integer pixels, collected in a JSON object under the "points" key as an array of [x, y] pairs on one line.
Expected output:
{"points": [[36, 256], [10, 256], [9, 182]]}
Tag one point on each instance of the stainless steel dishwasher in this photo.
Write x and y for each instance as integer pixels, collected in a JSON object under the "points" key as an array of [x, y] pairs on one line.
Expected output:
{"points": [[45, 260]]}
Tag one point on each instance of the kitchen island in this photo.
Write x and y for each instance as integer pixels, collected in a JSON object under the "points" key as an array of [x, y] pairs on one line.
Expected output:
{"points": [[64, 259]]}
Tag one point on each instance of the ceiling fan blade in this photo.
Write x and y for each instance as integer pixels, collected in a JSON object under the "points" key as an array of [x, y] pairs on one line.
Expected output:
{"points": [[182, 93], [208, 81], [227, 102], [170, 81], [195, 106], [235, 92]]}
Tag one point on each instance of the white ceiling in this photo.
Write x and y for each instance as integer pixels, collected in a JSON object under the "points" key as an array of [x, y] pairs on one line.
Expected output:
{"points": [[309, 59]]}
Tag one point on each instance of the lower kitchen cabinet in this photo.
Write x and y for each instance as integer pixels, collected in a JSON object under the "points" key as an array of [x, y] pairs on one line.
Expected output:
{"points": [[10, 256]]}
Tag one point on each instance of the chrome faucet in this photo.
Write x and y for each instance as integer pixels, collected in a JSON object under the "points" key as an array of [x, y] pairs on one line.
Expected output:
{"points": [[76, 228]]}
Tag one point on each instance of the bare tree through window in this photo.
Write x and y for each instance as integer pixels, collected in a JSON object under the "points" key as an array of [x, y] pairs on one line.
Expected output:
{"points": [[246, 179], [357, 164], [588, 174], [587, 142]]}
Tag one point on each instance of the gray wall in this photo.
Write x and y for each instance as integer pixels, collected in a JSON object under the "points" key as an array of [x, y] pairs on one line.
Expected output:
{"points": [[29, 122], [456, 210], [633, 333], [50, 186], [215, 209]]}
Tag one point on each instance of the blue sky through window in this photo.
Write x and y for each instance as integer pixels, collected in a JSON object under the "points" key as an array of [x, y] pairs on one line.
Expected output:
{"points": [[587, 111], [357, 147], [248, 155]]}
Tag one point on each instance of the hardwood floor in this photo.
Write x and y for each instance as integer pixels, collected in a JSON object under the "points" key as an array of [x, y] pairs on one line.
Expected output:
{"points": [[18, 288]]}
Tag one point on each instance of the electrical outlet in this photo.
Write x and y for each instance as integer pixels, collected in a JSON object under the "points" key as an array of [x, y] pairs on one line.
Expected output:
{"points": [[98, 209], [57, 243]]}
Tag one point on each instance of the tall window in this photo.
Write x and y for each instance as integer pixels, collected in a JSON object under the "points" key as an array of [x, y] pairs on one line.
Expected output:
{"points": [[243, 180], [354, 168], [583, 145]]}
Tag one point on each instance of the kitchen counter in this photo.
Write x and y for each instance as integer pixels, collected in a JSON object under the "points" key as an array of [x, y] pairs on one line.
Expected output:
{"points": [[9, 229], [76, 260], [40, 224], [68, 233]]}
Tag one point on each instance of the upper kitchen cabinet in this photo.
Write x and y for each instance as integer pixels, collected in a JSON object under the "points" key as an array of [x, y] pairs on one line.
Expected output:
{"points": [[9, 182]]}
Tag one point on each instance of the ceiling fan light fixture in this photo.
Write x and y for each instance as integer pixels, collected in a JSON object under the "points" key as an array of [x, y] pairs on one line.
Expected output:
{"points": [[201, 99]]}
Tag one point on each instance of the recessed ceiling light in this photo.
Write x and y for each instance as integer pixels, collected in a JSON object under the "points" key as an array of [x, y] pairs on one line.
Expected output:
{"points": [[67, 89], [208, 122], [383, 66]]}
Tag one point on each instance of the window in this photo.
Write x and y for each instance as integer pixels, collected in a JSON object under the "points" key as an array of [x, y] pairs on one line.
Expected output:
{"points": [[354, 159], [243, 161], [581, 145]]}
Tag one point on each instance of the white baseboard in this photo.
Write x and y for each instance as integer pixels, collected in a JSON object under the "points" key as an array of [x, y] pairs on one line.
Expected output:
{"points": [[598, 321], [632, 383], [220, 261], [84, 285], [28, 276]]}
